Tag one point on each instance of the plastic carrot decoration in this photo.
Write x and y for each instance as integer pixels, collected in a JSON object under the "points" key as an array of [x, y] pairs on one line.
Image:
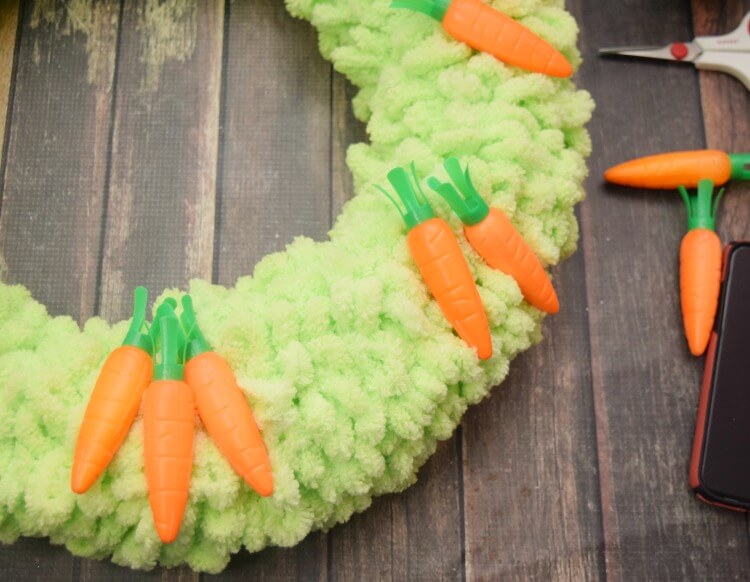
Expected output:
{"points": [[671, 170], [485, 29], [114, 401], [495, 238], [223, 407], [439, 258], [700, 267], [168, 430]]}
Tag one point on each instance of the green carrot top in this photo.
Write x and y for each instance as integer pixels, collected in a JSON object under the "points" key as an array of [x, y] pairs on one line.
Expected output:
{"points": [[702, 205], [166, 330], [740, 166], [418, 209], [136, 336], [434, 8], [468, 205], [196, 341]]}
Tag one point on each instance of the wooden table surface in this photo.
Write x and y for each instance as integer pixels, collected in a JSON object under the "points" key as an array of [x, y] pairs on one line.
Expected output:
{"points": [[153, 141]]}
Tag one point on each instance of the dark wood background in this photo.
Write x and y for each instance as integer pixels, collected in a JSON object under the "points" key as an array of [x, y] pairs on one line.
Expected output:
{"points": [[218, 123]]}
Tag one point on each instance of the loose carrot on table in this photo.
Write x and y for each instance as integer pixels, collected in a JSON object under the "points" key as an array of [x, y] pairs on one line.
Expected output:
{"points": [[223, 407], [495, 238], [443, 267], [168, 430], [488, 30], [700, 267], [114, 401], [686, 168]]}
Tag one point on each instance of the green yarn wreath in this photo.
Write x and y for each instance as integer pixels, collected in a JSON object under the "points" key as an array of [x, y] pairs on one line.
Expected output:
{"points": [[352, 370]]}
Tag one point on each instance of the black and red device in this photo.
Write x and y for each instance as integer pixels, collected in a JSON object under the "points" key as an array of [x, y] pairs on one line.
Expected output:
{"points": [[720, 462]]}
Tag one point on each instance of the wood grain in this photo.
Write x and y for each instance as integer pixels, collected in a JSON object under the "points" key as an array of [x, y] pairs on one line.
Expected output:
{"points": [[530, 468], [160, 212], [346, 130], [216, 133], [306, 562], [161, 202], [645, 383], [726, 112], [36, 559], [416, 534], [274, 184], [50, 228], [276, 153], [8, 28]]}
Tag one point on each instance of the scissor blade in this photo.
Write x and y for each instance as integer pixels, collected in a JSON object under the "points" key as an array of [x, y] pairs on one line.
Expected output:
{"points": [[676, 51]]}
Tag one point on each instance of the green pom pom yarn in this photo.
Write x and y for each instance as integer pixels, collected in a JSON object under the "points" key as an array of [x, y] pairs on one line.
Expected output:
{"points": [[352, 371]]}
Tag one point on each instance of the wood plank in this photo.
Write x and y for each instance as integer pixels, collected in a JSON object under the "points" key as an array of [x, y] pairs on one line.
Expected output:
{"points": [[416, 534], [37, 559], [304, 562], [50, 226], [413, 535], [8, 28], [53, 184], [275, 176], [274, 184], [645, 383], [160, 211], [724, 99], [347, 130], [726, 104], [530, 477]]}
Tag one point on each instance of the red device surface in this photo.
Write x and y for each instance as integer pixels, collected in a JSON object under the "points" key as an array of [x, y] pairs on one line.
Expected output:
{"points": [[722, 435]]}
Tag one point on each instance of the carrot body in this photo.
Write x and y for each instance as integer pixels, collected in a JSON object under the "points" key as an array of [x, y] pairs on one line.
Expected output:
{"points": [[495, 238], [110, 413], [668, 171], [439, 258], [485, 29], [700, 281], [228, 419], [700, 265], [502, 247], [114, 401], [446, 274], [168, 427]]}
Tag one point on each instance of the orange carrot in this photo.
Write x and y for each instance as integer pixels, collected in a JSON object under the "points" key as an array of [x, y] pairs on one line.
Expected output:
{"points": [[168, 430], [485, 29], [668, 171], [495, 238], [700, 267], [114, 401], [443, 267], [224, 409]]}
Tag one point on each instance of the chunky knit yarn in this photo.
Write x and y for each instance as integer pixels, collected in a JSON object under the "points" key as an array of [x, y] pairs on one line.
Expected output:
{"points": [[352, 370]]}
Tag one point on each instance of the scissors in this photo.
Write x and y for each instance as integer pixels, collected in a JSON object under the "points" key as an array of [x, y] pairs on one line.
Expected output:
{"points": [[729, 53]]}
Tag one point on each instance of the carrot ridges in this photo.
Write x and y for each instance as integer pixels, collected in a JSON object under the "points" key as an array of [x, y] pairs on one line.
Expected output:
{"points": [[444, 270], [510, 254], [488, 30], [111, 410], [700, 283], [671, 170], [228, 419], [700, 266], [225, 411], [168, 427], [441, 263], [495, 238], [114, 401]]}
